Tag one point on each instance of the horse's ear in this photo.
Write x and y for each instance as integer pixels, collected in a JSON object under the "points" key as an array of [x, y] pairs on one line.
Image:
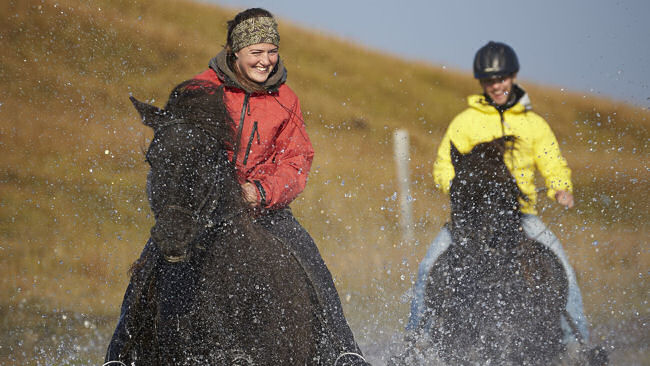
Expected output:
{"points": [[508, 141], [150, 114]]}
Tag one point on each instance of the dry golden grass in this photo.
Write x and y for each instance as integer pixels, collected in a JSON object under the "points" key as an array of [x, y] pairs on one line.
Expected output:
{"points": [[73, 212]]}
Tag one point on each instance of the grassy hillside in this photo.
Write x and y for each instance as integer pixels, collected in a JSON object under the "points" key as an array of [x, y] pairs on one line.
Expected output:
{"points": [[74, 215]]}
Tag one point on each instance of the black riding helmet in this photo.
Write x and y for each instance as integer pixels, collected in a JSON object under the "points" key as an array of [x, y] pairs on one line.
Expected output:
{"points": [[495, 59]]}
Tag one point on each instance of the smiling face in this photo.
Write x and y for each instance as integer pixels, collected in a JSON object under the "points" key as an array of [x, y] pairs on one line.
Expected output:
{"points": [[498, 89], [255, 62]]}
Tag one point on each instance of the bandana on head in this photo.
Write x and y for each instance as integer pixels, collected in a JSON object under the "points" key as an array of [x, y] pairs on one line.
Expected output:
{"points": [[253, 31]]}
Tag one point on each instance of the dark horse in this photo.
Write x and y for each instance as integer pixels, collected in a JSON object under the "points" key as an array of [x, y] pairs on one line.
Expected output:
{"points": [[212, 287], [494, 296]]}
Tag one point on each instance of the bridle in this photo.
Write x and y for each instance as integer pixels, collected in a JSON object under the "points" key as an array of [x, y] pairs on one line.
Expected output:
{"points": [[202, 213]]}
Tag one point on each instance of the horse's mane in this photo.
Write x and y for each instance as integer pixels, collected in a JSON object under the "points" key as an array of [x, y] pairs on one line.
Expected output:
{"points": [[200, 102], [484, 194]]}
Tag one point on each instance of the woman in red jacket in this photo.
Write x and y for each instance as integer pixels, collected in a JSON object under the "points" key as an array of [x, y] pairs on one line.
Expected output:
{"points": [[272, 152], [272, 155]]}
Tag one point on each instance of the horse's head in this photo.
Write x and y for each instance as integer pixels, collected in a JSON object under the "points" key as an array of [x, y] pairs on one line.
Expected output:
{"points": [[188, 162], [484, 195]]}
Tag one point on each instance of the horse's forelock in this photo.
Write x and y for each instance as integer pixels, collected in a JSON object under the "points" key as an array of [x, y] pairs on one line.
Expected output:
{"points": [[201, 102], [482, 180]]}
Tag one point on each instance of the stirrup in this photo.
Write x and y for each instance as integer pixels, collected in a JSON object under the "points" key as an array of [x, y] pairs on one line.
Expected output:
{"points": [[349, 354]]}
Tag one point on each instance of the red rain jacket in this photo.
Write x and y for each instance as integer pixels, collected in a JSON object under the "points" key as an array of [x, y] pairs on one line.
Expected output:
{"points": [[272, 150]]}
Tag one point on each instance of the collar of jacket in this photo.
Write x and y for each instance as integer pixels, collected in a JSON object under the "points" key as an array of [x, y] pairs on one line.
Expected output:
{"points": [[521, 102], [219, 64]]}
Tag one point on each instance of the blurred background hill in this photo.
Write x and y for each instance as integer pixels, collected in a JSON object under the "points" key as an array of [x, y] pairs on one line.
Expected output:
{"points": [[74, 214]]}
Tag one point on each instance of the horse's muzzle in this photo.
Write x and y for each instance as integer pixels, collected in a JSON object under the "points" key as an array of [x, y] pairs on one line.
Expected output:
{"points": [[174, 231]]}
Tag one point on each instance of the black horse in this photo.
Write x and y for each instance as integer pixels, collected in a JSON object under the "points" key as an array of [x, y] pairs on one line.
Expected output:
{"points": [[211, 287], [494, 296]]}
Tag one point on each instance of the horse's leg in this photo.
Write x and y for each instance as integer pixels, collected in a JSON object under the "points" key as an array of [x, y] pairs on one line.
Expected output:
{"points": [[487, 328], [133, 334], [449, 299], [176, 286]]}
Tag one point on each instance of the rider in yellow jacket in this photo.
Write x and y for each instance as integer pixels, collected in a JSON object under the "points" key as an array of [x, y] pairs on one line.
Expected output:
{"points": [[504, 109], [536, 146]]}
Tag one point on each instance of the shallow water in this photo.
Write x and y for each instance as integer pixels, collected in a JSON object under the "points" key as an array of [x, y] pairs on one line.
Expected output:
{"points": [[32, 335]]}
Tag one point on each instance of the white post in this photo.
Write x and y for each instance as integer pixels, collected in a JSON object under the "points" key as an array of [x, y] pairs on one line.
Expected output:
{"points": [[401, 151]]}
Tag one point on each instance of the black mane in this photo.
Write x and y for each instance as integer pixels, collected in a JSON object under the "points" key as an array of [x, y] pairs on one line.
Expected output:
{"points": [[484, 196], [196, 102]]}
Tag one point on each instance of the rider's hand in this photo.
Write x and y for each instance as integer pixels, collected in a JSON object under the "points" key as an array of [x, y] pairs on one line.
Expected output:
{"points": [[564, 198], [250, 194]]}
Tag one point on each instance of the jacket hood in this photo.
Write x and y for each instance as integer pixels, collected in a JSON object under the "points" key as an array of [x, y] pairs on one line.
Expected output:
{"points": [[519, 104], [219, 64]]}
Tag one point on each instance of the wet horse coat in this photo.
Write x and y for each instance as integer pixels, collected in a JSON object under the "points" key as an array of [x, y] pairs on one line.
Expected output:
{"points": [[494, 295], [211, 286]]}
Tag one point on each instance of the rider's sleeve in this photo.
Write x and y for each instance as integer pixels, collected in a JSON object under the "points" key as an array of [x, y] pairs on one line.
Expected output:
{"points": [[280, 180], [550, 162], [443, 169]]}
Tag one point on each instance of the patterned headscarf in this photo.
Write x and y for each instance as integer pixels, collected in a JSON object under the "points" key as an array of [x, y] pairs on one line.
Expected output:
{"points": [[253, 31]]}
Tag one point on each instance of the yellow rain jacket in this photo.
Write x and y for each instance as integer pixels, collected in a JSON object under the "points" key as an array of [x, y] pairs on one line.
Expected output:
{"points": [[536, 147]]}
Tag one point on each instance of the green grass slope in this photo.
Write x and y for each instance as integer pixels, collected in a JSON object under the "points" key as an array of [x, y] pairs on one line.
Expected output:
{"points": [[74, 215]]}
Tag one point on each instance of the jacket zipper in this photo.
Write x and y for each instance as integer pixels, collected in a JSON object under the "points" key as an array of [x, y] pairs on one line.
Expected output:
{"points": [[244, 109], [250, 141]]}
